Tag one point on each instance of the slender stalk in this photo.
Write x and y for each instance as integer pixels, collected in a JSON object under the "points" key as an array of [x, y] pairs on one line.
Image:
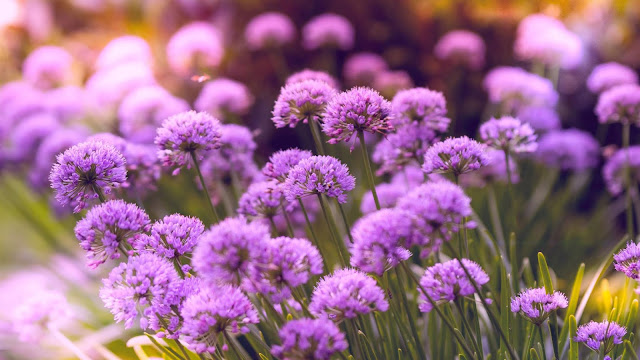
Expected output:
{"points": [[367, 168], [68, 344], [289, 226], [204, 187], [233, 347], [315, 133], [507, 159], [544, 351], [313, 234], [468, 328], [527, 346], [629, 207], [333, 229], [227, 202], [346, 222], [274, 228], [495, 218], [412, 325], [98, 190]]}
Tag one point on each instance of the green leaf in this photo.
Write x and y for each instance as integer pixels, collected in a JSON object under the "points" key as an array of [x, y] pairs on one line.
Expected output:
{"points": [[573, 346], [632, 315], [262, 357], [573, 303], [548, 286], [533, 354], [629, 353], [505, 311]]}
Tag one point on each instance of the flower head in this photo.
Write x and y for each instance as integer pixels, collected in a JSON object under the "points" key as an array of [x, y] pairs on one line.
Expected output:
{"points": [[308, 74], [509, 134], [620, 104], [388, 195], [605, 76], [319, 175], [422, 105], [143, 168], [622, 161], [124, 49], [44, 310], [27, 135], [224, 96], [595, 334], [447, 281], [109, 86], [195, 44], [405, 146], [541, 118], [515, 88], [47, 67], [455, 155], [536, 304], [301, 101], [264, 199], [172, 236], [389, 83], [267, 30], [361, 69], [281, 162], [310, 339], [328, 30], [627, 261], [496, 170], [461, 47], [570, 149]]}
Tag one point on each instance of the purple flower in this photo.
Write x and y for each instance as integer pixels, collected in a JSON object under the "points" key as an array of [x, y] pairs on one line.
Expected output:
{"points": [[627, 261], [388, 195], [110, 228], [47, 67], [67, 103], [379, 239], [620, 162], [107, 87], [27, 135], [406, 146], [269, 30], [309, 339], [222, 97], [570, 149], [300, 102], [124, 49], [515, 88], [264, 199], [37, 314], [361, 68], [184, 134], [345, 294], [541, 118], [455, 155], [509, 134], [281, 162], [87, 171], [223, 253], [328, 30], [496, 170], [308, 74], [172, 236], [389, 83], [195, 44], [215, 310], [536, 305], [596, 334], [444, 282], [420, 105], [620, 104], [319, 175], [461, 47], [143, 168], [605, 76]]}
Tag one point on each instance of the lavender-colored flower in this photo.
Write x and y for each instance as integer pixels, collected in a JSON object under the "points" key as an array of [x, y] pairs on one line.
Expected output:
{"points": [[627, 261], [67, 103], [389, 83], [184, 134], [420, 105], [269, 30], [195, 44], [515, 88], [37, 314], [222, 97], [496, 170], [124, 49], [620, 104], [455, 155], [172, 236], [300, 102], [308, 338], [509, 134], [86, 171], [407, 145], [110, 228], [461, 47], [600, 337], [263, 199], [618, 164], [608, 75], [361, 68], [319, 175], [223, 253], [212, 311], [388, 195], [345, 294], [107, 87], [570, 149], [444, 282], [47, 67], [219, 169], [143, 168], [536, 305], [541, 118], [281, 162], [308, 74], [26, 136], [328, 30]]}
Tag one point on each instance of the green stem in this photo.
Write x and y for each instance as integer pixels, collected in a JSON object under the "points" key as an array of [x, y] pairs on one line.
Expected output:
{"points": [[313, 234], [289, 226], [412, 325], [527, 346], [333, 229], [233, 347], [467, 326], [346, 222], [367, 167], [98, 190], [204, 187], [274, 228], [315, 133], [629, 207]]}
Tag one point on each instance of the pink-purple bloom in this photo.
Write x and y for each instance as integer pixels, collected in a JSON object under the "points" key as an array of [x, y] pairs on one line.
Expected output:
{"points": [[308, 74], [328, 30], [388, 195], [569, 149], [605, 76], [36, 315], [514, 88], [281, 162], [602, 336], [107, 87], [509, 134], [222, 97], [269, 30], [47, 67], [390, 82], [461, 47], [614, 170], [197, 44], [124, 49], [627, 261], [540, 118], [361, 68], [172, 236], [455, 155], [309, 339], [536, 305], [319, 175], [301, 101], [496, 170], [406, 145], [262, 199], [421, 105], [620, 104]]}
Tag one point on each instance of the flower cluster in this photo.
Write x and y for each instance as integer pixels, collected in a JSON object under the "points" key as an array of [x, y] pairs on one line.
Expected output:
{"points": [[620, 104], [281, 162], [627, 261], [509, 134], [600, 336], [301, 101], [623, 163], [328, 30], [172, 236], [608, 75], [310, 339], [461, 47], [537, 305], [319, 175], [515, 88], [570, 149], [456, 156]]}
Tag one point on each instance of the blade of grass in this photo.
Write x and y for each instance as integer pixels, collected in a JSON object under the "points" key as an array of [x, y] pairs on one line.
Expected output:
{"points": [[573, 303], [548, 286]]}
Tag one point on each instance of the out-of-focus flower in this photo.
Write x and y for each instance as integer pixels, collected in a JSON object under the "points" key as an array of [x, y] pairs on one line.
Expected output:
{"points": [[27, 135], [67, 103], [281, 162], [143, 168], [461, 47], [328, 30], [123, 50], [38, 313], [308, 74], [627, 261], [300, 102], [223, 96], [422, 105], [172, 236], [620, 104], [407, 145], [262, 199], [388, 195], [319, 175], [47, 67], [536, 305], [455, 155], [600, 337], [541, 118], [514, 88], [107, 87], [570, 149], [496, 170], [309, 339], [447, 281], [197, 45], [389, 83], [605, 76], [509, 134], [614, 170], [269, 30], [361, 68]]}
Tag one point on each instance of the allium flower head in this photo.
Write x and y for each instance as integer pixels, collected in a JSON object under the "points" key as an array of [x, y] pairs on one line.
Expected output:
{"points": [[620, 104], [319, 175], [124, 49], [223, 96], [355, 110], [496, 170], [143, 168], [223, 253], [34, 316], [461, 47], [172, 236], [300, 102], [541, 118], [85, 171], [106, 88], [389, 83], [455, 155], [186, 133], [328, 30], [594, 333], [421, 105], [361, 69], [515, 88], [536, 305], [197, 44], [212, 311], [605, 76], [108, 228], [28, 134], [308, 74], [47, 67], [570, 149], [281, 162], [269, 30], [509, 134], [345, 294], [627, 261], [444, 282], [67, 103], [617, 165], [263, 199], [308, 338], [388, 195]]}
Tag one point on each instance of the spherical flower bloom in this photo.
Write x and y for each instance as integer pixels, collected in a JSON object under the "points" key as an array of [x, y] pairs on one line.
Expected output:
{"points": [[282, 265], [608, 75], [67, 103], [496, 170], [263, 199], [223, 96], [379, 239], [37, 314], [300, 102], [107, 87], [184, 134], [330, 30], [172, 236], [407, 145], [600, 337], [536, 305], [47, 67], [515, 88], [620, 104], [388, 195], [212, 311], [444, 282], [87, 171], [362, 68], [570, 149], [195, 44], [281, 162], [627, 261], [509, 134], [455, 155], [614, 170], [110, 228], [124, 49], [389, 83], [143, 168], [143, 286], [420, 105], [269, 30], [308, 74], [319, 175], [461, 47], [345, 294], [27, 135], [356, 110], [541, 118], [309, 339], [223, 253], [225, 167]]}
